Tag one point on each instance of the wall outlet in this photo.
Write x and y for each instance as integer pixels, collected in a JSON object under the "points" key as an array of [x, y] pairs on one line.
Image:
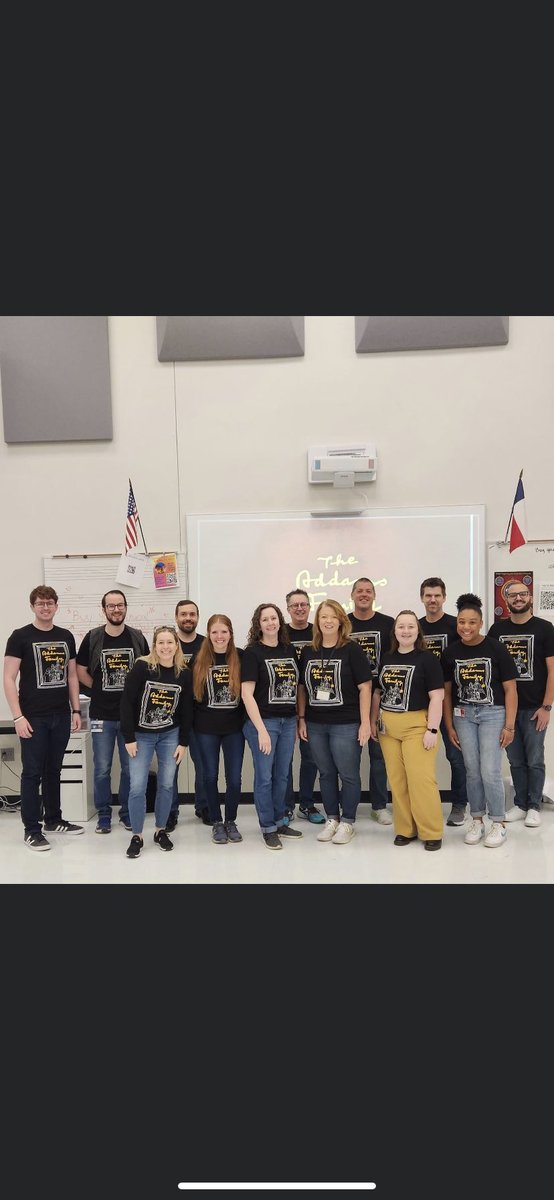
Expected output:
{"points": [[7, 755]]}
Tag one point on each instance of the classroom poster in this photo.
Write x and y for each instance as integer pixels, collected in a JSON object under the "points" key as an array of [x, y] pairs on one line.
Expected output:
{"points": [[165, 570], [502, 580]]}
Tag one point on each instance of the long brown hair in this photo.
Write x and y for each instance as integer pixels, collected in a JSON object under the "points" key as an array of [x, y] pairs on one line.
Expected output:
{"points": [[345, 627], [420, 643], [206, 659], [255, 631]]}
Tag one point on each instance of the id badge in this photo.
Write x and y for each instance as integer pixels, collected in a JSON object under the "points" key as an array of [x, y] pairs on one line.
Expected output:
{"points": [[459, 711], [96, 726], [323, 694]]}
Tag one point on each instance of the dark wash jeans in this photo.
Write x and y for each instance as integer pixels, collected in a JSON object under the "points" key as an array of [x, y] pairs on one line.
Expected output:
{"points": [[337, 752], [200, 798], [231, 746], [458, 789], [42, 758], [526, 759], [306, 781]]}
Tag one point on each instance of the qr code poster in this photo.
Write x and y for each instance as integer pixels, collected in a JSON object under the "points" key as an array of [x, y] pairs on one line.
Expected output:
{"points": [[501, 582], [164, 567], [546, 600]]}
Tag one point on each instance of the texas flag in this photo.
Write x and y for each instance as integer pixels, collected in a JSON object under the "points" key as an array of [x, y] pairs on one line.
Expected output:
{"points": [[518, 528]]}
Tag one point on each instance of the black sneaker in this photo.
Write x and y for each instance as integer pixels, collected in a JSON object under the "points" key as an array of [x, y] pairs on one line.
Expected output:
{"points": [[272, 841], [171, 823], [311, 813], [135, 846], [286, 832], [64, 827], [203, 815], [233, 834], [126, 822], [161, 839], [36, 841]]}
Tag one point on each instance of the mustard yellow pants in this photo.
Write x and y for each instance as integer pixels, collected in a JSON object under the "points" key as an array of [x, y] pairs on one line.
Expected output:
{"points": [[416, 801]]}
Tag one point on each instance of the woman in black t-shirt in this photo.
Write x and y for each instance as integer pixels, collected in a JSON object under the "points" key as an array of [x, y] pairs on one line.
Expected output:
{"points": [[218, 718], [405, 716]]}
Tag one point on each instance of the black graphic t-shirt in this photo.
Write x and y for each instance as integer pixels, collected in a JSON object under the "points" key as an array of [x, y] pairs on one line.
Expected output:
{"points": [[405, 680], [530, 645], [190, 649], [274, 670], [117, 657], [154, 700], [45, 655], [373, 636], [440, 634], [300, 638], [477, 672], [331, 678], [219, 711]]}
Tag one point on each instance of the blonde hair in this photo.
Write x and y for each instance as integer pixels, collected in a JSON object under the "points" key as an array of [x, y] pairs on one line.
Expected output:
{"points": [[345, 628], [152, 659], [206, 659]]}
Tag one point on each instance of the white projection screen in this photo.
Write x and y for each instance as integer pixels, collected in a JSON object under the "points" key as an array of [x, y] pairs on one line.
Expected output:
{"points": [[240, 560]]}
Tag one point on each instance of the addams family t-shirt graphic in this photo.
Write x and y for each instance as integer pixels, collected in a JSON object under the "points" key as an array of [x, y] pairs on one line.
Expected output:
{"points": [[219, 692], [298, 647], [159, 702], [473, 681], [370, 643], [521, 648], [436, 642], [323, 682], [115, 666], [283, 678], [51, 659], [396, 685]]}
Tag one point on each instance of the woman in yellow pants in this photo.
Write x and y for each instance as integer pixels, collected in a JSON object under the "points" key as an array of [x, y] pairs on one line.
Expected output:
{"points": [[406, 713]]}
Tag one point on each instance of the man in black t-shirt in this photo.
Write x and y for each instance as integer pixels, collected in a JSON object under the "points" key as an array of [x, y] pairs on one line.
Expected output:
{"points": [[105, 657], [530, 641], [300, 632], [372, 631], [45, 710], [186, 617], [439, 630]]}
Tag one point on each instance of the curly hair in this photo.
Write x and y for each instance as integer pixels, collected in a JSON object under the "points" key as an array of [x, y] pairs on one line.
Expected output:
{"points": [[255, 631], [470, 600]]}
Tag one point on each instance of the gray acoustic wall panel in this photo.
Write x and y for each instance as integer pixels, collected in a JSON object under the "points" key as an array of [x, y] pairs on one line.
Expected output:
{"points": [[55, 379], [377, 334], [182, 339]]}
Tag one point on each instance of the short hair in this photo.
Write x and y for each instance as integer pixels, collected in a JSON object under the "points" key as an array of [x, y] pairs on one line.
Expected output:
{"points": [[434, 582], [345, 627], [296, 592], [362, 579], [180, 604], [113, 592], [420, 643], [42, 592], [255, 631], [470, 600]]}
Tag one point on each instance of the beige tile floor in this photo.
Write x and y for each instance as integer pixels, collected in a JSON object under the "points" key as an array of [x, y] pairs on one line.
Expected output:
{"points": [[527, 856]]}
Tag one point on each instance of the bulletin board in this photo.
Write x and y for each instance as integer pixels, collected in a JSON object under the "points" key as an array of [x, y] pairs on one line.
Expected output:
{"points": [[531, 565]]}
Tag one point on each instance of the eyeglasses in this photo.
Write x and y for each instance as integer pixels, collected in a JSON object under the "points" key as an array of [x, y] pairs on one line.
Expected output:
{"points": [[302, 605], [516, 595], [111, 607], [45, 604]]}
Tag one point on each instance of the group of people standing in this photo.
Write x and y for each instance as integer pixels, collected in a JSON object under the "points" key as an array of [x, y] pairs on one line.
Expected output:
{"points": [[345, 682]]}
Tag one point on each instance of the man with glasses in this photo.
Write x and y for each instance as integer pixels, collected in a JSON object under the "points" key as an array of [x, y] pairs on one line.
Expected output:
{"points": [[45, 710], [105, 657], [530, 641], [300, 632]]}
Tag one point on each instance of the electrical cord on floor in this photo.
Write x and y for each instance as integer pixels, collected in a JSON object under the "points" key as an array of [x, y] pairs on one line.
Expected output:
{"points": [[7, 804]]}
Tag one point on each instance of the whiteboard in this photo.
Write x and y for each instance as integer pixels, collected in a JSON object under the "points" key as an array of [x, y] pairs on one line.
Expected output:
{"points": [[81, 581], [535, 561], [239, 560]]}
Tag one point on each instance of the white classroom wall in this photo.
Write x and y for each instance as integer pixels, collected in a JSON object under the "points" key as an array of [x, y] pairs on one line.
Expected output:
{"points": [[451, 427]]}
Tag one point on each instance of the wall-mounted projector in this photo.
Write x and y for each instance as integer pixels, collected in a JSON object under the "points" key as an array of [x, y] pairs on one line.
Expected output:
{"points": [[342, 466]]}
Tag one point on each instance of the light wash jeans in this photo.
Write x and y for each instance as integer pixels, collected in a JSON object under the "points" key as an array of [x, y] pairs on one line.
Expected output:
{"points": [[337, 752], [271, 770], [479, 736], [164, 744], [103, 746]]}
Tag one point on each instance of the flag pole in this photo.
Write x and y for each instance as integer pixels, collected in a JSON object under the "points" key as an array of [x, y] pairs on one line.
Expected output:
{"points": [[513, 506], [138, 518]]}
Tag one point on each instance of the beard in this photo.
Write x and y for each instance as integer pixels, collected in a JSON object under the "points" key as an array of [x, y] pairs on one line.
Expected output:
{"points": [[518, 611]]}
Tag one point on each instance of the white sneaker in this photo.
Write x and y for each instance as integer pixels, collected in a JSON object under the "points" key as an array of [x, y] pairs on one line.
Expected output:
{"points": [[533, 817], [345, 833], [382, 815], [496, 835], [328, 831], [515, 814], [474, 833]]}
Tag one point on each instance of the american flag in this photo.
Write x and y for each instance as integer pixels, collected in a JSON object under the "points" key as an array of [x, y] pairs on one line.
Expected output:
{"points": [[131, 538]]}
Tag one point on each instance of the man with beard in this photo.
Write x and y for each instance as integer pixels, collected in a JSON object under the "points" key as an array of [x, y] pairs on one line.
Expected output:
{"points": [[372, 631], [439, 630], [186, 617], [105, 657], [530, 641]]}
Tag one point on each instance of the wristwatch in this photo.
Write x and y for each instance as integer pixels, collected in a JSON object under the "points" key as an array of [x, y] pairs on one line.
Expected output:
{"points": [[432, 730], [547, 707]]}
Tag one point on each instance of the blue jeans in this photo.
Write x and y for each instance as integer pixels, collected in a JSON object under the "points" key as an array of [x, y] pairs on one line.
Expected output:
{"points": [[337, 753], [307, 777], [103, 746], [378, 794], [458, 790], [271, 770], [479, 736], [41, 759], [526, 759], [164, 743], [200, 797], [232, 747]]}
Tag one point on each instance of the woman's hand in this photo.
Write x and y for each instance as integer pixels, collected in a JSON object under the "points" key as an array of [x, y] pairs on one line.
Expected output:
{"points": [[453, 737], [373, 728], [132, 749], [302, 731], [264, 741], [179, 754], [364, 733], [506, 737], [429, 740]]}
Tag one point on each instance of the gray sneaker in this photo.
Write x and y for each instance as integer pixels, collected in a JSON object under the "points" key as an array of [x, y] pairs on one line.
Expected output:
{"points": [[457, 815], [233, 834], [219, 834]]}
